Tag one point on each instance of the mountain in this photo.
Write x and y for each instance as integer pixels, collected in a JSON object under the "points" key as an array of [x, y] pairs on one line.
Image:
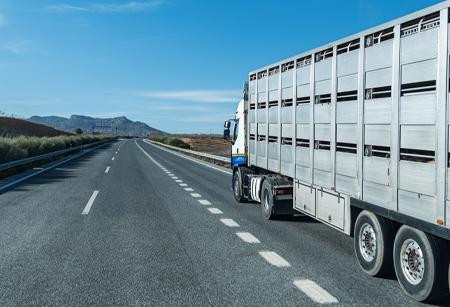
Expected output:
{"points": [[103, 125]]}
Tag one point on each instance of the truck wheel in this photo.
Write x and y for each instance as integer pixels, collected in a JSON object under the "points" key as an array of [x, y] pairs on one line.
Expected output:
{"points": [[373, 242], [267, 207], [420, 262], [237, 187]]}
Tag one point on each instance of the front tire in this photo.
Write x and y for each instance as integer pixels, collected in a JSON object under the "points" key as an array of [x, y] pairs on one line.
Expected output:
{"points": [[267, 207], [373, 243], [237, 187], [420, 262]]}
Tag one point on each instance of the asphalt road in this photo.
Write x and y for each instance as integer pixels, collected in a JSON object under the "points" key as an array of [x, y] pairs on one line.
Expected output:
{"points": [[132, 224]]}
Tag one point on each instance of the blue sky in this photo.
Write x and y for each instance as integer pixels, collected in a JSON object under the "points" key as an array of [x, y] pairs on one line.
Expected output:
{"points": [[177, 65]]}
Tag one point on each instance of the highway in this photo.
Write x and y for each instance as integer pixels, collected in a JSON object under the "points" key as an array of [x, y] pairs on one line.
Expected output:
{"points": [[133, 224]]}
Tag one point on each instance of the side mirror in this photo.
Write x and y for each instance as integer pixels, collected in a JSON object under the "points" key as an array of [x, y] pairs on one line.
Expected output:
{"points": [[227, 124], [226, 134]]}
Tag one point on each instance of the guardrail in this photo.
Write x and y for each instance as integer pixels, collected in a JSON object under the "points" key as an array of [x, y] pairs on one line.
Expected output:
{"points": [[12, 164], [214, 158]]}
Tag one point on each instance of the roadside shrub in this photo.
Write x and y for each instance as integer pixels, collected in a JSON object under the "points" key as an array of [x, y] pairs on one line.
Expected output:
{"points": [[170, 140], [177, 143], [15, 148]]}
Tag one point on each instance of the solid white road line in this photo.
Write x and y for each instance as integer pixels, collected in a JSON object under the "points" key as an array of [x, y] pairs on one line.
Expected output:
{"points": [[188, 189], [89, 203], [148, 156], [113, 158], [183, 184], [315, 292], [179, 181], [247, 237], [215, 210], [107, 170], [188, 158], [229, 222], [204, 202], [196, 195], [274, 259]]}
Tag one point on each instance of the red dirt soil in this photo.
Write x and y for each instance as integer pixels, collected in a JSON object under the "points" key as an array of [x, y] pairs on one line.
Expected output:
{"points": [[15, 127], [210, 144]]}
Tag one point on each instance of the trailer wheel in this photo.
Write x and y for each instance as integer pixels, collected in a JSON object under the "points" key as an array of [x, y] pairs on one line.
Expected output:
{"points": [[237, 186], [373, 243], [267, 207], [420, 262]]}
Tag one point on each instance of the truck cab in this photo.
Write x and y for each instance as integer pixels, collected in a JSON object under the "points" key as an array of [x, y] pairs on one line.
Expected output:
{"points": [[238, 146]]}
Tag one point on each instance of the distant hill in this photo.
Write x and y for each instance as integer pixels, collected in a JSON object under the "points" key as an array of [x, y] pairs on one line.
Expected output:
{"points": [[90, 124], [14, 127]]}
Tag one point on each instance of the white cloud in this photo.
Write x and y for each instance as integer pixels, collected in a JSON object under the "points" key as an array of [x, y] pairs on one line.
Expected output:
{"points": [[2, 20], [132, 6], [18, 46], [196, 95]]}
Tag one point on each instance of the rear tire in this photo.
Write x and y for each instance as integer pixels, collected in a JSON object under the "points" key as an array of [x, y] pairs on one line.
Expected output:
{"points": [[267, 207], [373, 243], [420, 262], [237, 187]]}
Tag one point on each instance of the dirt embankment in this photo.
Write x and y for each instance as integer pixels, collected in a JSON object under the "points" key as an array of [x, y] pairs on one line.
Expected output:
{"points": [[15, 127]]}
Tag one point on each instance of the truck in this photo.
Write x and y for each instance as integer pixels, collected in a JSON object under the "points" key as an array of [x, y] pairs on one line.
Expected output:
{"points": [[355, 134]]}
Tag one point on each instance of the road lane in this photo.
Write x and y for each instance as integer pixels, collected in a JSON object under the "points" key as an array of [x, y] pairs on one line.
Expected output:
{"points": [[148, 241], [315, 251]]}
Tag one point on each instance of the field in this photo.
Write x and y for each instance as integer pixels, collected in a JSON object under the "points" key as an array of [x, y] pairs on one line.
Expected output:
{"points": [[15, 127], [208, 143], [213, 144]]}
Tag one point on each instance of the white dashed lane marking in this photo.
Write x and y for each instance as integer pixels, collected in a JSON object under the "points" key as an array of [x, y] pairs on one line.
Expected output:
{"points": [[89, 203], [229, 222], [215, 210], [274, 259], [247, 237], [315, 292], [310, 288]]}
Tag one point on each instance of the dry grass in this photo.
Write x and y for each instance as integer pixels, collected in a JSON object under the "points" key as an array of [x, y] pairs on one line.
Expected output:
{"points": [[213, 144], [15, 148]]}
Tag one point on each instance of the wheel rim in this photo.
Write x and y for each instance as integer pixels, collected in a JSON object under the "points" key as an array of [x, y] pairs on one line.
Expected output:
{"points": [[236, 186], [367, 242], [412, 261]]}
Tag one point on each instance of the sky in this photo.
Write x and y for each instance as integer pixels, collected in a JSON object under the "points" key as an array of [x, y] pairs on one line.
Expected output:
{"points": [[177, 65]]}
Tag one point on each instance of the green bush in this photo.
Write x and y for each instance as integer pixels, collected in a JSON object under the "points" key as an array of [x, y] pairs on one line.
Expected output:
{"points": [[170, 140], [15, 148]]}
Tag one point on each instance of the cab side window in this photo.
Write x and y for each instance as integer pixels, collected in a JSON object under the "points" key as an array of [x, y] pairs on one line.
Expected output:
{"points": [[236, 131]]}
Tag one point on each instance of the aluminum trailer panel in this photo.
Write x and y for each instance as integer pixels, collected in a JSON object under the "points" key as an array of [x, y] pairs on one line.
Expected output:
{"points": [[364, 117]]}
